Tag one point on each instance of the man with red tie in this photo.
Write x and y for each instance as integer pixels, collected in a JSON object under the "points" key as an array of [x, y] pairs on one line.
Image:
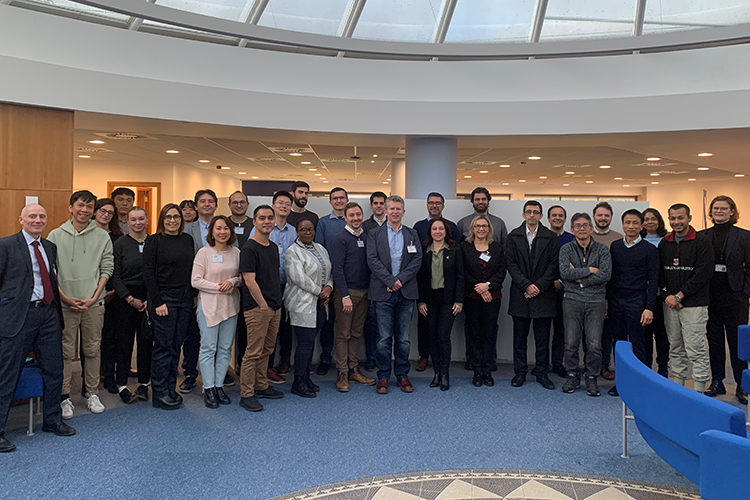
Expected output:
{"points": [[32, 318]]}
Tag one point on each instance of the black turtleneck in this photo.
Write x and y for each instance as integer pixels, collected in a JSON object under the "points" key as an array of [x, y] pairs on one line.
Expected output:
{"points": [[720, 281]]}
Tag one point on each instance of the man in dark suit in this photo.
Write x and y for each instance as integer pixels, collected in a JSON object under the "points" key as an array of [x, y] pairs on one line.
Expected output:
{"points": [[394, 255], [32, 318]]}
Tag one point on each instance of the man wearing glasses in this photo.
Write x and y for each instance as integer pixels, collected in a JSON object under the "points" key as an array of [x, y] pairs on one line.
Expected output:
{"points": [[435, 205], [585, 269], [531, 254], [243, 224]]}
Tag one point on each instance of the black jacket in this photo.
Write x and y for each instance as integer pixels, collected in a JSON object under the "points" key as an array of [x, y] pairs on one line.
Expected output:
{"points": [[686, 267], [495, 267], [453, 275], [537, 266], [737, 257]]}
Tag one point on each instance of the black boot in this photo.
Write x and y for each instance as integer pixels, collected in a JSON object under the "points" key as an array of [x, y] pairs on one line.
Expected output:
{"points": [[300, 387], [437, 380], [221, 396], [209, 398], [477, 380], [446, 383], [313, 387]]}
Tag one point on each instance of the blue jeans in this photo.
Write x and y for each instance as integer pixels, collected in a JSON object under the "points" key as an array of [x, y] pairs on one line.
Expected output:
{"points": [[371, 333], [583, 319], [216, 349], [394, 320]]}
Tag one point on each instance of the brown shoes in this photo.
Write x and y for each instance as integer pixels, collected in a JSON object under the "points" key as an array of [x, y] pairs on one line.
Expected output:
{"points": [[284, 365], [382, 387], [606, 374], [274, 377], [355, 376], [405, 384], [422, 364], [342, 384]]}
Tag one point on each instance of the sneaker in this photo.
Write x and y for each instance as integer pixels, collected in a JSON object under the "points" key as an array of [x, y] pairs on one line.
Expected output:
{"points": [[228, 380], [94, 405], [613, 391], [592, 389], [342, 382], [142, 392], [67, 409], [269, 393], [572, 383], [251, 404], [355, 376], [127, 397], [274, 377], [187, 385], [370, 365]]}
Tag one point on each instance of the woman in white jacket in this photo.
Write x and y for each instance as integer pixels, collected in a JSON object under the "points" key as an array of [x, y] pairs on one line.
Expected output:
{"points": [[308, 290]]}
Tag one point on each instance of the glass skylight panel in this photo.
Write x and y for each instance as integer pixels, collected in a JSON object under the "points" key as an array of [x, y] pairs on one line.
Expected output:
{"points": [[580, 19], [491, 21], [79, 7], [399, 20], [224, 9], [322, 17], [670, 15]]}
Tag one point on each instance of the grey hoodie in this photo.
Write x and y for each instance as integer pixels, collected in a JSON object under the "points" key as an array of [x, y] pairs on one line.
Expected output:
{"points": [[82, 258]]}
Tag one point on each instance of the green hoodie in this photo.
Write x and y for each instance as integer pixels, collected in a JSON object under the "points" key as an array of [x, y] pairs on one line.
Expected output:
{"points": [[82, 258]]}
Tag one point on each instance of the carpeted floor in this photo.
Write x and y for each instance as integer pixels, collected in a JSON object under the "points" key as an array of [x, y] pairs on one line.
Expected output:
{"points": [[140, 452]]}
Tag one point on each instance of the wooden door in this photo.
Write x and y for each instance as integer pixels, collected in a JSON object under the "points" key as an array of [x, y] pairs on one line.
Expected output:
{"points": [[144, 198]]}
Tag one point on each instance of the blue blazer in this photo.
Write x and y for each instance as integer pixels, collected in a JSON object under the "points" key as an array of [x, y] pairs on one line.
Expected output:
{"points": [[379, 261], [17, 282]]}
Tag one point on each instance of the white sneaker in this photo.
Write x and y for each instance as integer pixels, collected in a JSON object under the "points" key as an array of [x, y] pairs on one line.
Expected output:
{"points": [[67, 409], [94, 405]]}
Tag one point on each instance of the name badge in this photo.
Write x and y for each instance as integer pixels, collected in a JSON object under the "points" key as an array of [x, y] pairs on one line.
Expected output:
{"points": [[485, 256], [360, 243], [411, 249], [140, 248], [675, 262], [720, 268], [217, 258], [239, 230]]}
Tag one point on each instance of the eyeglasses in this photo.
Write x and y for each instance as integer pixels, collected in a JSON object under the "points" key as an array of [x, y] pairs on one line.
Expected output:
{"points": [[585, 225], [172, 217], [106, 212], [532, 212], [338, 198], [239, 203], [306, 230], [721, 209], [481, 226], [283, 203], [434, 203]]}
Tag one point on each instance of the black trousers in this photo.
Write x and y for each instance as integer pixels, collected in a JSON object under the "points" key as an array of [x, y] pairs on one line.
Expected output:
{"points": [[130, 324], [481, 318], [283, 338], [42, 333], [424, 340], [521, 327], [656, 332], [327, 337], [169, 334], [726, 312], [191, 346], [109, 342], [439, 324], [558, 336], [607, 342], [303, 356], [625, 310]]}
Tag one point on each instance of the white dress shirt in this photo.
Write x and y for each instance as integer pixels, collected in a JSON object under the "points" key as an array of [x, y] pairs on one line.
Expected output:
{"points": [[38, 287]]}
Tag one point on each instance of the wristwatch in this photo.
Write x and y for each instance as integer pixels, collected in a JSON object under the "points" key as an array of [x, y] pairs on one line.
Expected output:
{"points": [[677, 298], [488, 284]]}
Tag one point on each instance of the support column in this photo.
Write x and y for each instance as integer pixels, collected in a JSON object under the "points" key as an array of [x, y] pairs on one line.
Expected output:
{"points": [[36, 159], [431, 166], [398, 177]]}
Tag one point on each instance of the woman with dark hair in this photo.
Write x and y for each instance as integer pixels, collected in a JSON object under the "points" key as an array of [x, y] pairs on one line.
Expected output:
{"points": [[216, 276], [654, 231], [441, 293], [167, 267], [484, 273], [104, 216], [189, 211]]}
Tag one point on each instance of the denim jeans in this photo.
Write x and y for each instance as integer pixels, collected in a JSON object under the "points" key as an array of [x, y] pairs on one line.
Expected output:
{"points": [[216, 349], [583, 319], [394, 319], [371, 333]]}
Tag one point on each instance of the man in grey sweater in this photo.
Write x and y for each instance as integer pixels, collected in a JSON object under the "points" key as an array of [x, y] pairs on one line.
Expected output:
{"points": [[585, 269]]}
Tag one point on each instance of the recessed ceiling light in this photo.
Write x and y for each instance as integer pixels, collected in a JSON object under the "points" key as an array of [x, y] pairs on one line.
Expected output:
{"points": [[626, 185], [84, 156], [372, 161], [691, 179], [312, 169], [653, 158], [542, 176], [521, 180], [589, 182], [654, 174], [318, 175], [506, 183], [385, 182], [225, 168], [655, 182], [325, 182], [295, 154], [569, 173], [702, 168], [705, 154], [484, 171], [172, 151], [467, 177], [504, 166], [535, 157], [255, 177], [305, 162], [242, 173], [566, 184], [604, 166], [739, 175], [96, 142], [374, 156], [388, 179], [204, 161], [618, 178]]}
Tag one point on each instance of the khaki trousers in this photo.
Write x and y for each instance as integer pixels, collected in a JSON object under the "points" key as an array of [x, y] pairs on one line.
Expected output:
{"points": [[90, 323], [349, 328], [262, 327], [686, 330]]}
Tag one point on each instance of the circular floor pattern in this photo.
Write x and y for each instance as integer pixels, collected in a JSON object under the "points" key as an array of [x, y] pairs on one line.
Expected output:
{"points": [[491, 484]]}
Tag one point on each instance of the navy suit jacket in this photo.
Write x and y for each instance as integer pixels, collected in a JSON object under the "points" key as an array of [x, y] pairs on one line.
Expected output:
{"points": [[17, 282], [379, 261]]}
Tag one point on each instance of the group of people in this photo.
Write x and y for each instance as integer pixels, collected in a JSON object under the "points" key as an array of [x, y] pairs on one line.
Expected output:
{"points": [[339, 277]]}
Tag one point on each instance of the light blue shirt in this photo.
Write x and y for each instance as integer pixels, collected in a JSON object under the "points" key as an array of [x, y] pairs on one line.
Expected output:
{"points": [[284, 238], [204, 231], [38, 293], [396, 244], [654, 239], [328, 228]]}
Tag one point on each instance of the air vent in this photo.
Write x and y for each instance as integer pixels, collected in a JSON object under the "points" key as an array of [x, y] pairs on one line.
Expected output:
{"points": [[670, 172], [337, 160], [84, 149], [273, 159], [654, 164], [289, 149], [571, 167], [401, 151], [478, 162], [125, 136]]}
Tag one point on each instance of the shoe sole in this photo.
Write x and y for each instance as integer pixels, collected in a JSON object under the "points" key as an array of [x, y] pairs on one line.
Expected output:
{"points": [[97, 410], [8, 450], [362, 383], [407, 389], [382, 391], [342, 389], [67, 417], [254, 410], [261, 396], [304, 394], [168, 408], [230, 385], [282, 382], [594, 395], [185, 391]]}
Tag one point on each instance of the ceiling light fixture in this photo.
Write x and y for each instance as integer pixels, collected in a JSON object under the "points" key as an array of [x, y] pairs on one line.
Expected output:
{"points": [[385, 182], [372, 161], [654, 174], [484, 171], [653, 158], [325, 182], [522, 180], [705, 154], [318, 175], [295, 154], [312, 169], [618, 178], [506, 183], [739, 175], [589, 182], [172, 151], [204, 161], [225, 168], [242, 173], [504, 166], [255, 177], [566, 185], [467, 177], [626, 185], [542, 176], [96, 142], [305, 162], [691, 179], [535, 157], [84, 156], [604, 166], [703, 168], [374, 156], [569, 173], [655, 182]]}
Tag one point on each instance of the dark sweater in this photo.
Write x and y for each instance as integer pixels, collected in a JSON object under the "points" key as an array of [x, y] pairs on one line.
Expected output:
{"points": [[686, 267], [634, 269], [349, 260], [719, 236], [127, 278], [422, 226], [167, 264]]}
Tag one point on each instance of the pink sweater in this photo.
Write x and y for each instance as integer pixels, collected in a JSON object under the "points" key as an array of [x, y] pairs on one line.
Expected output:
{"points": [[208, 274]]}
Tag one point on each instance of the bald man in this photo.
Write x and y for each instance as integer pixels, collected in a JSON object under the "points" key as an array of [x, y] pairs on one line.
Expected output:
{"points": [[32, 318]]}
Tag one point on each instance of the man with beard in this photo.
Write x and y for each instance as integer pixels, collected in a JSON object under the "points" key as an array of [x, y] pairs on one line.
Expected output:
{"points": [[300, 191], [480, 200]]}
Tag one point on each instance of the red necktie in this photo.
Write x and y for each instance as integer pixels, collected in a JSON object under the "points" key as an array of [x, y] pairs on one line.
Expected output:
{"points": [[46, 283]]}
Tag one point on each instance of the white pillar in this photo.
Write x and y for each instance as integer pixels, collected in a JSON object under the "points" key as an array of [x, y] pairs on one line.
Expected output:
{"points": [[431, 166], [398, 177]]}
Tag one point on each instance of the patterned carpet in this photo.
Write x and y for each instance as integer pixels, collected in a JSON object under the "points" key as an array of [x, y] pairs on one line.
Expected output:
{"points": [[490, 484]]}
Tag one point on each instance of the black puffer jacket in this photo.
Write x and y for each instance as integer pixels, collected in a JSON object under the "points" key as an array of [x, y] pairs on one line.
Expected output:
{"points": [[686, 267]]}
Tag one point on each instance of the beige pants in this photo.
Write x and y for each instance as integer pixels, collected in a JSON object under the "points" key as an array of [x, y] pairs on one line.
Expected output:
{"points": [[349, 328], [686, 330], [262, 327], [90, 324]]}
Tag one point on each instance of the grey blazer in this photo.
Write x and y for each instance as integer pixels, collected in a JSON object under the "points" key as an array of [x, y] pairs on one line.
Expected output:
{"points": [[379, 261], [194, 230]]}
